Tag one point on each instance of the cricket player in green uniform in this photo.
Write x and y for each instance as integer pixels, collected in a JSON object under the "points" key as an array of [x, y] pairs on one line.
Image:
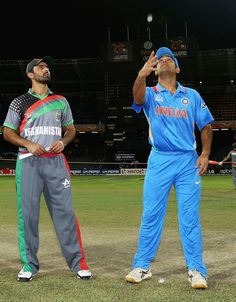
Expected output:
{"points": [[40, 123], [231, 155]]}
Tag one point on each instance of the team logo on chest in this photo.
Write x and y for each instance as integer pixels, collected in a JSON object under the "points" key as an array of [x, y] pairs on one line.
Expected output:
{"points": [[185, 101], [58, 116], [158, 98]]}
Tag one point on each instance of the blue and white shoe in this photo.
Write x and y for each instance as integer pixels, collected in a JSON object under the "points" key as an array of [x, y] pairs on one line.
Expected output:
{"points": [[197, 280], [137, 275]]}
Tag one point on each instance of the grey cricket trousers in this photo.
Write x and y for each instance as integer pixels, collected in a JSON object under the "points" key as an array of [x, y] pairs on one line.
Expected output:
{"points": [[47, 175]]}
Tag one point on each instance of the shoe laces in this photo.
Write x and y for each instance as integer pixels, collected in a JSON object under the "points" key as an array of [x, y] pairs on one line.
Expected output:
{"points": [[139, 272], [194, 274]]}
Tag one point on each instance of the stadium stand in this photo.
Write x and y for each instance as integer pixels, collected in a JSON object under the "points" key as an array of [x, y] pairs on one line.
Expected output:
{"points": [[222, 106], [100, 94]]}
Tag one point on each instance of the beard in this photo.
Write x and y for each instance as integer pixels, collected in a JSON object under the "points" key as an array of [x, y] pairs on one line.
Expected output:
{"points": [[45, 79]]}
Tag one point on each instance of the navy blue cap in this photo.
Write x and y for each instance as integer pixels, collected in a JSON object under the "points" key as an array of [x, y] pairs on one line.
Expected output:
{"points": [[34, 62], [165, 51]]}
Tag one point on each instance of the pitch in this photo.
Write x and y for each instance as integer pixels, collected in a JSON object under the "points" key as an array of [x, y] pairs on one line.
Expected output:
{"points": [[109, 209]]}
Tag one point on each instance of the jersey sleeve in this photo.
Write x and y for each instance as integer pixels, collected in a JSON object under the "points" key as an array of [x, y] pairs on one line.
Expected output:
{"points": [[13, 118], [203, 115], [229, 154], [67, 117], [145, 106]]}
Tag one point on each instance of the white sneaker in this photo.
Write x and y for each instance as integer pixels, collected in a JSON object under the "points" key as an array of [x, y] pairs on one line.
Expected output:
{"points": [[197, 280], [138, 274], [84, 274], [24, 276]]}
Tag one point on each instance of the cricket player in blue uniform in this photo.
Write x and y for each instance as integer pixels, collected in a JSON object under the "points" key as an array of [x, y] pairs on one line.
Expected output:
{"points": [[172, 111]]}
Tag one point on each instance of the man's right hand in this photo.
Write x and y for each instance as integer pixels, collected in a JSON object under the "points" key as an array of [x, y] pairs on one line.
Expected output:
{"points": [[149, 66], [35, 149], [220, 163]]}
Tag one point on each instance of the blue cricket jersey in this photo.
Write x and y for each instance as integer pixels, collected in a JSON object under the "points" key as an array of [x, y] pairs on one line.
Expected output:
{"points": [[172, 118]]}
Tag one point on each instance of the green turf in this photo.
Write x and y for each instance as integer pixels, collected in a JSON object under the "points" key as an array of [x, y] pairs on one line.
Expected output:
{"points": [[109, 211]]}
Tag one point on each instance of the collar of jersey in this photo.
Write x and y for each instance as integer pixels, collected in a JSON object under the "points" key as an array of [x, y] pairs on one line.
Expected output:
{"points": [[41, 97], [180, 88]]}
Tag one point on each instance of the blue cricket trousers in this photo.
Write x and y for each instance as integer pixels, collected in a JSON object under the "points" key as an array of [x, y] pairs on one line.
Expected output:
{"points": [[165, 169]]}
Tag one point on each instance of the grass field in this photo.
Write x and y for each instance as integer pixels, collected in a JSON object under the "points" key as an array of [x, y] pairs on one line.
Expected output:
{"points": [[109, 210]]}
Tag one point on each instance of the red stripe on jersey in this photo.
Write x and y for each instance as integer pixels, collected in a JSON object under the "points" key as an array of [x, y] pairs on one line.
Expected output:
{"points": [[35, 105], [155, 88]]}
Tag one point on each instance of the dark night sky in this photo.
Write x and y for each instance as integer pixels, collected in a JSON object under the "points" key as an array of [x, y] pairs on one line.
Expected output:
{"points": [[74, 29]]}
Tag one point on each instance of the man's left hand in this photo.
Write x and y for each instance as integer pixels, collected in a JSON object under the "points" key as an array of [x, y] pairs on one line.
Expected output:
{"points": [[202, 164], [57, 146]]}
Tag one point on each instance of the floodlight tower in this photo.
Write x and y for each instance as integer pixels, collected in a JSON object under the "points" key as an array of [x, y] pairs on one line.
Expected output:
{"points": [[149, 20]]}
